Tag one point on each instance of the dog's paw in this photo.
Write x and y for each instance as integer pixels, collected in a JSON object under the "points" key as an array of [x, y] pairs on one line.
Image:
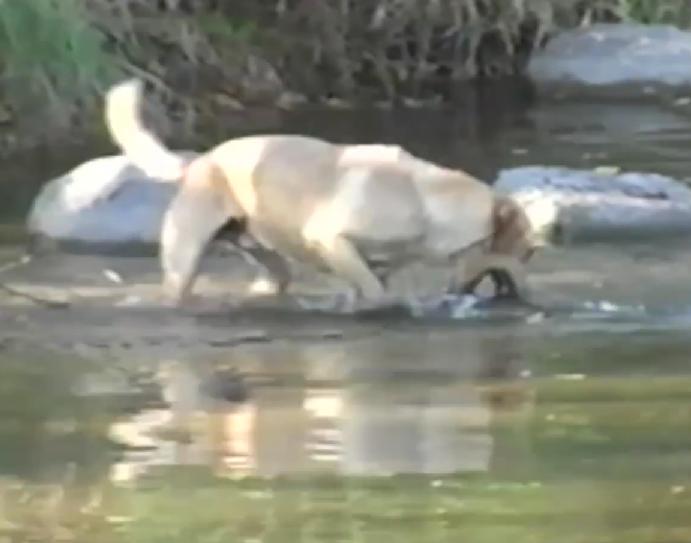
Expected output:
{"points": [[263, 286]]}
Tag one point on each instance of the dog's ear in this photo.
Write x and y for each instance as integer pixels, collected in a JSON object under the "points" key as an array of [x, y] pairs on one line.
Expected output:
{"points": [[513, 232], [508, 226]]}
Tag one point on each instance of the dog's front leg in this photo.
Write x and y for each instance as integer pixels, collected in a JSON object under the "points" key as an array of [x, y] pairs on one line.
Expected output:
{"points": [[344, 260], [502, 281], [504, 284], [188, 225], [506, 272]]}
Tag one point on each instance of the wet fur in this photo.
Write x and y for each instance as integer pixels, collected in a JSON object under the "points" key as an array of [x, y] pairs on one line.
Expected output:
{"points": [[356, 211]]}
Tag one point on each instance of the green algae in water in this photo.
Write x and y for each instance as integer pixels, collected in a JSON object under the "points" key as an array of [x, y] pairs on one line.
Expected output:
{"points": [[602, 458]]}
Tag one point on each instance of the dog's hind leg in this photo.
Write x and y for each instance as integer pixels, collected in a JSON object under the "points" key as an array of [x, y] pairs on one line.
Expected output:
{"points": [[189, 224]]}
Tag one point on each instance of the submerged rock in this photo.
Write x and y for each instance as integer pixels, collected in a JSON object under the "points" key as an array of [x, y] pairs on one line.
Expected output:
{"points": [[105, 202], [618, 60], [591, 205]]}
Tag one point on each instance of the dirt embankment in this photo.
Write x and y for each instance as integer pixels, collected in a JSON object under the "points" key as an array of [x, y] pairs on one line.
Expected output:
{"points": [[206, 59]]}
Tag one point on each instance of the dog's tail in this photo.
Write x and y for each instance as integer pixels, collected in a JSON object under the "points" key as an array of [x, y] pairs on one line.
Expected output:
{"points": [[142, 147]]}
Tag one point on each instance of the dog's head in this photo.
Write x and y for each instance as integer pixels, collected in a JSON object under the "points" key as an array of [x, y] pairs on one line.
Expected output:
{"points": [[512, 231]]}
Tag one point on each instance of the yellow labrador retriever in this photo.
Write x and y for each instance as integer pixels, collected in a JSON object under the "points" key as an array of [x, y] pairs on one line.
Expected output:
{"points": [[357, 211]]}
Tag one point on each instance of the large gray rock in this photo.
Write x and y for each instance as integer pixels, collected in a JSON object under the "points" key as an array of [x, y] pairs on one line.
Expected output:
{"points": [[587, 205], [105, 202], [620, 60]]}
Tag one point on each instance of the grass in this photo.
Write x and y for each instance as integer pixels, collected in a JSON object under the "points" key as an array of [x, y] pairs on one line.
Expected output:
{"points": [[674, 12], [51, 55]]}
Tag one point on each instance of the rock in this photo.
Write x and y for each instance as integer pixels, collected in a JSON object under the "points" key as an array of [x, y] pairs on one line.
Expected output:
{"points": [[226, 385], [228, 102], [584, 205], [613, 60], [106, 202], [6, 114], [337, 103], [290, 100], [260, 83]]}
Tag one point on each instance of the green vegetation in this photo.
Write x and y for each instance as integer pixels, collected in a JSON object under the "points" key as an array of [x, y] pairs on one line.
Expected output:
{"points": [[58, 55], [51, 55], [603, 458], [576, 467], [675, 12]]}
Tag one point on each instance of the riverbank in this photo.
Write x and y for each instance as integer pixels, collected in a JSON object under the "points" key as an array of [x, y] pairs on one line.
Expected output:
{"points": [[208, 64]]}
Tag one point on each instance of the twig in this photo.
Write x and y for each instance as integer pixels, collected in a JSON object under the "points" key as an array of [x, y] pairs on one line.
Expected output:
{"points": [[52, 304], [23, 261]]}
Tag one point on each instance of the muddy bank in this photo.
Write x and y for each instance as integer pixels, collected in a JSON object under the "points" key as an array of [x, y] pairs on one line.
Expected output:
{"points": [[116, 305]]}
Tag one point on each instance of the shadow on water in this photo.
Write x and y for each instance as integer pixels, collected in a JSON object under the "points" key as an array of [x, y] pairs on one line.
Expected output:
{"points": [[441, 437]]}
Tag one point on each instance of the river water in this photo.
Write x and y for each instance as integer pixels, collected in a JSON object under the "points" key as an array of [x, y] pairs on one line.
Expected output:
{"points": [[572, 427]]}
